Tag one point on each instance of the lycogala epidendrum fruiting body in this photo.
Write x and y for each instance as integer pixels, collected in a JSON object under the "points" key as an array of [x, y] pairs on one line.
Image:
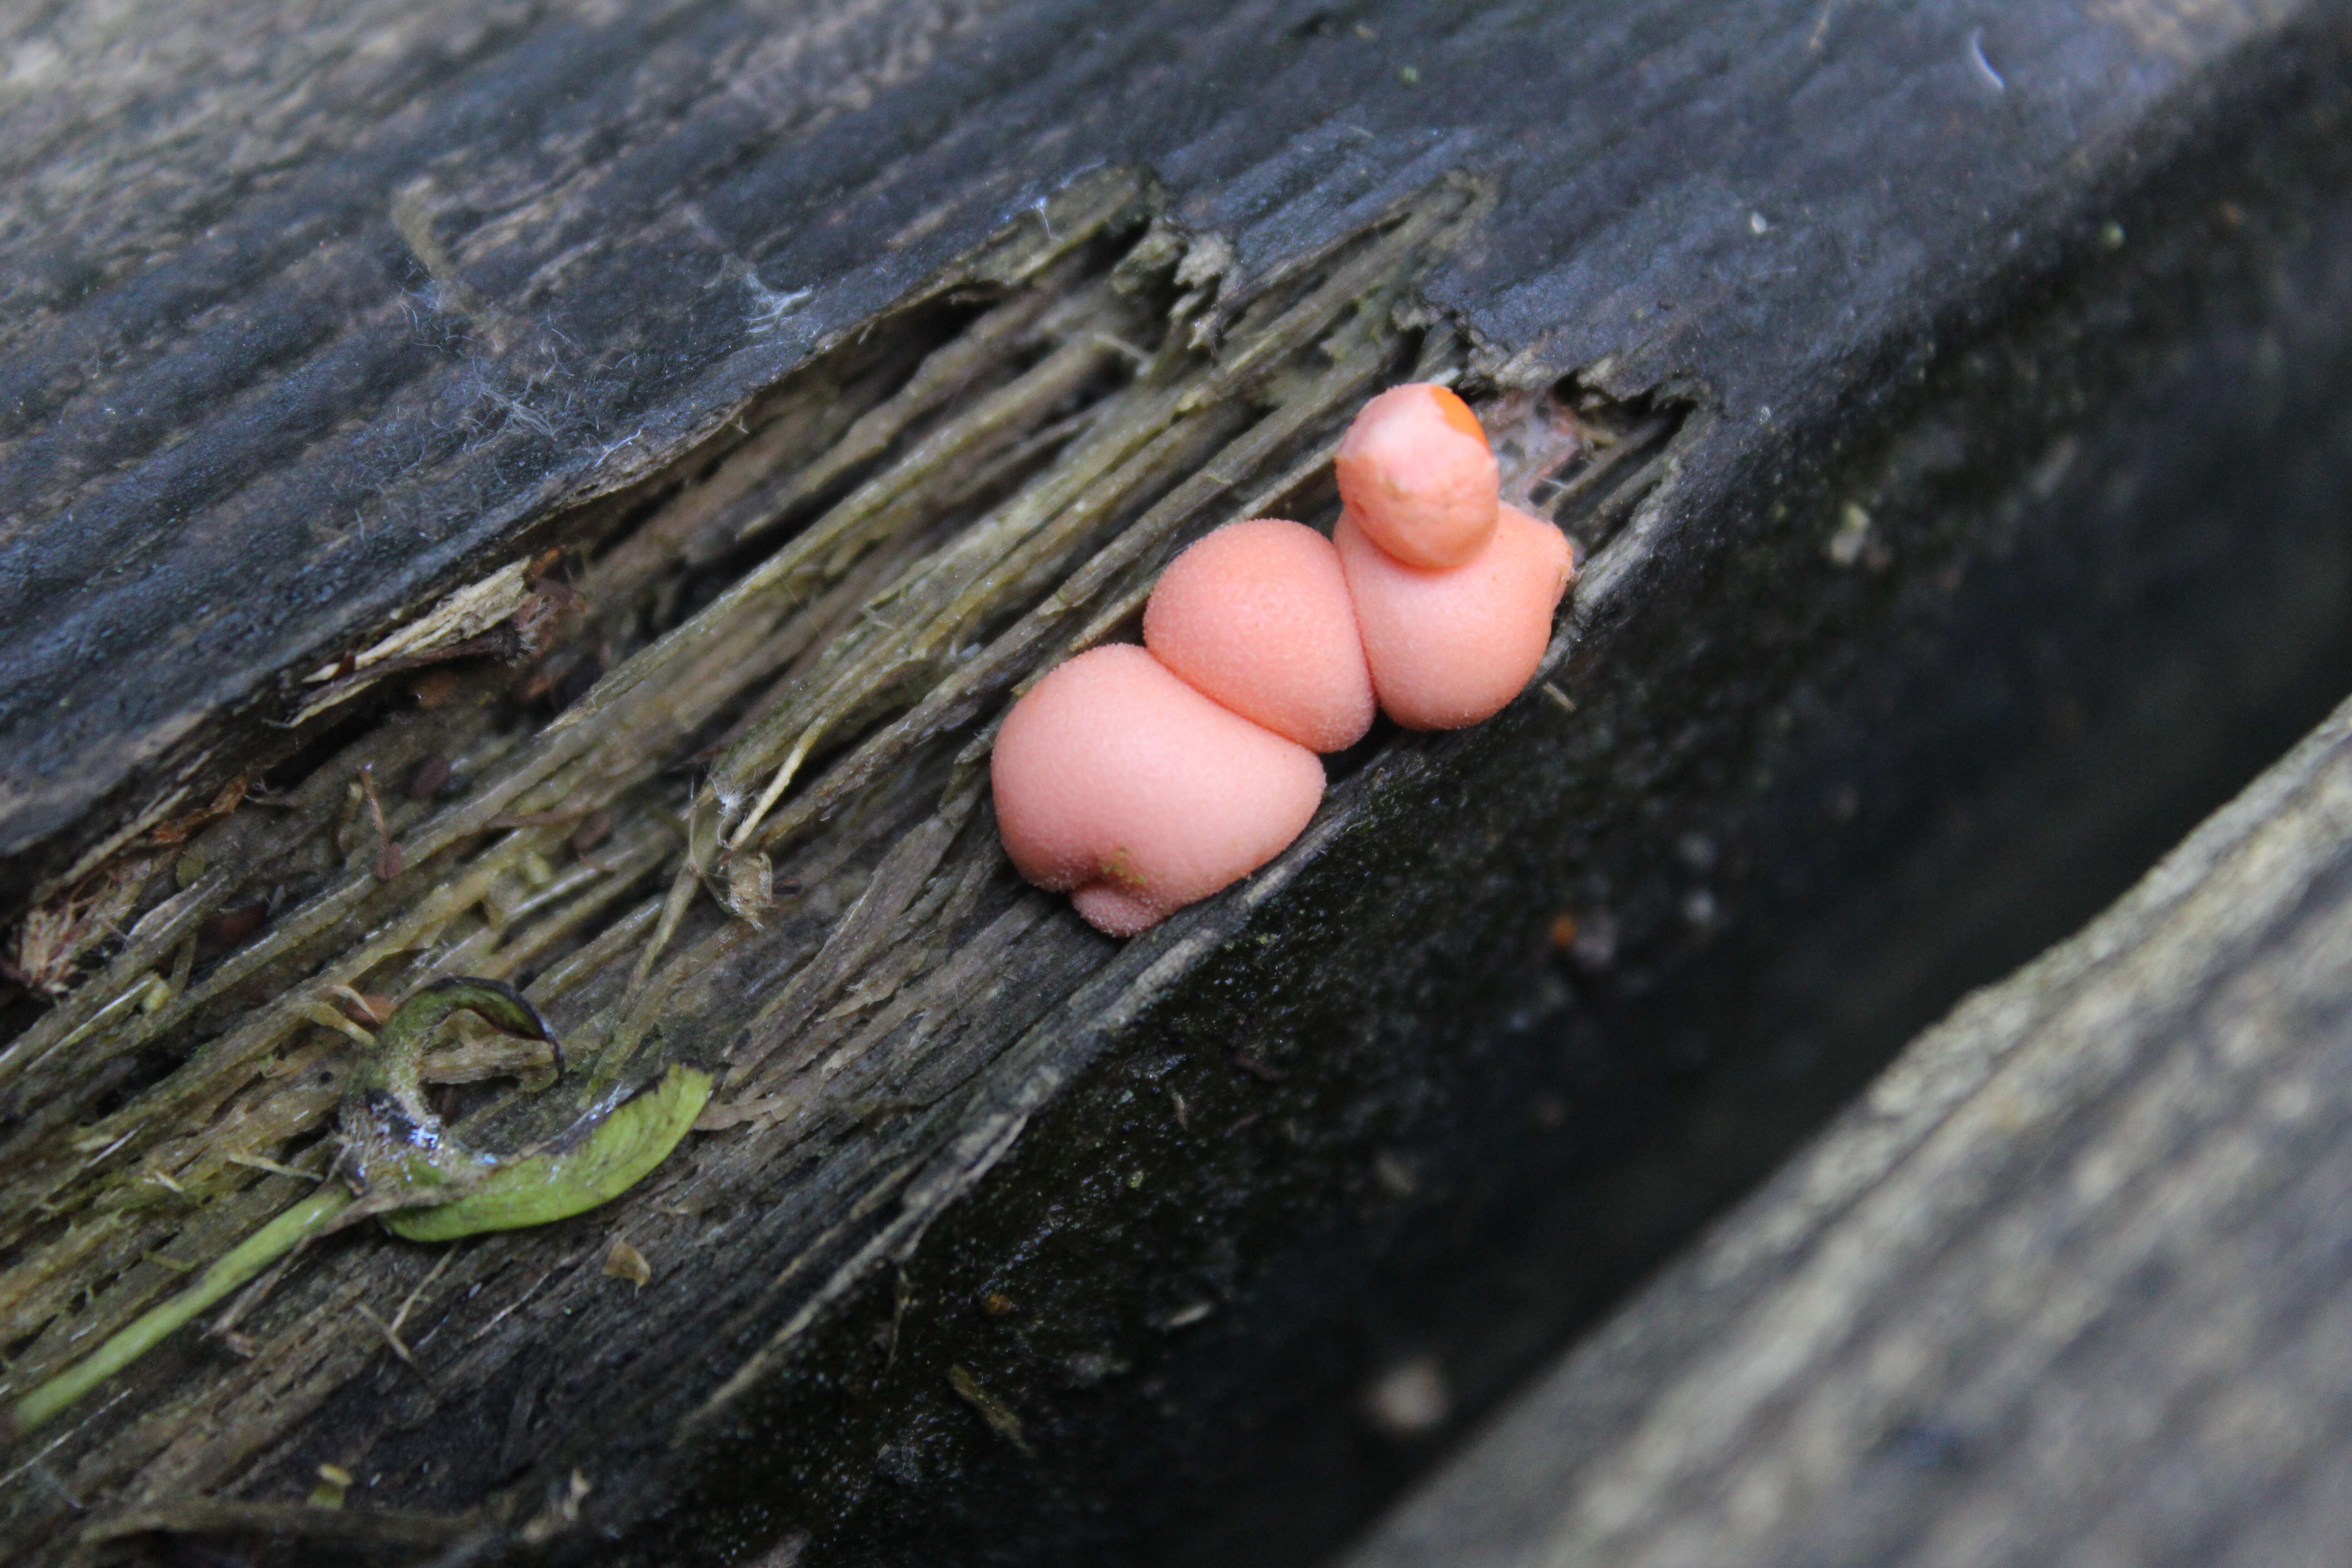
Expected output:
{"points": [[1415, 469], [1256, 616], [1140, 780], [1119, 783], [1453, 647]]}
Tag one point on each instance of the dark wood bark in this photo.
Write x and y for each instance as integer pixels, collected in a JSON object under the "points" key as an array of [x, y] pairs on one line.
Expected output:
{"points": [[312, 317], [2066, 1284], [1939, 397]]}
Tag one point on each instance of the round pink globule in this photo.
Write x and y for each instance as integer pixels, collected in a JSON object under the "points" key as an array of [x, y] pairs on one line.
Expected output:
{"points": [[1119, 784], [1417, 473], [1451, 648], [1257, 616]]}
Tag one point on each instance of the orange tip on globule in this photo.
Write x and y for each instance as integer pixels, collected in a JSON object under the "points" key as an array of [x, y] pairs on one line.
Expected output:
{"points": [[1139, 780], [1417, 473]]}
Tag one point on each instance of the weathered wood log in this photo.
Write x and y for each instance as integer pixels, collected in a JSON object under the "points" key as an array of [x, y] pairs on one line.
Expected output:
{"points": [[2066, 1285], [857, 367]]}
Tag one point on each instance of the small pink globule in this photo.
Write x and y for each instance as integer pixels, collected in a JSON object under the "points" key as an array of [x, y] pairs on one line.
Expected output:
{"points": [[1417, 473], [1256, 616], [1451, 648], [1119, 784]]}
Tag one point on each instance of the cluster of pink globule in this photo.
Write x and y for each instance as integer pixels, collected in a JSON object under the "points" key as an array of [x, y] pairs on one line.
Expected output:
{"points": [[1139, 780]]}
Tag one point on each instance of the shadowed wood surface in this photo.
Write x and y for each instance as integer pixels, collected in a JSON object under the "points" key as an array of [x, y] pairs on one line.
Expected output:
{"points": [[888, 353], [2066, 1286], [311, 318]]}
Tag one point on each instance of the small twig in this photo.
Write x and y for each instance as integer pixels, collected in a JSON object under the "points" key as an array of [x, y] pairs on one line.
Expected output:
{"points": [[902, 1296], [328, 1017], [256, 1163], [389, 862], [422, 1286], [271, 802], [391, 1331], [390, 1337], [1000, 1417], [373, 1010]]}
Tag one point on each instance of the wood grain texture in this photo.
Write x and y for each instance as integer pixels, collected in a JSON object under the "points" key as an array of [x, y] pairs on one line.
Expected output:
{"points": [[310, 316], [560, 248], [2065, 1287]]}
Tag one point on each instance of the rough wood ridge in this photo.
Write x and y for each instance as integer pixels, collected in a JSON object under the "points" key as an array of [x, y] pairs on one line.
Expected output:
{"points": [[774, 493], [2066, 1285], [1073, 436]]}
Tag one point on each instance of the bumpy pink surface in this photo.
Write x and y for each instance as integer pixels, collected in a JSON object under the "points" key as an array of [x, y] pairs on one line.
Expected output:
{"points": [[1120, 785], [1415, 469], [1451, 648], [1257, 616]]}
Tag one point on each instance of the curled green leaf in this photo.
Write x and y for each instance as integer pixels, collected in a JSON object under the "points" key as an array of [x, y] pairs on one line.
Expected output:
{"points": [[413, 1173], [395, 1149], [613, 1156]]}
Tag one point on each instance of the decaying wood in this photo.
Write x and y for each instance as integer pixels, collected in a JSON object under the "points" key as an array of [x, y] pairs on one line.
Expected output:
{"points": [[2065, 1285], [370, 295], [898, 919], [813, 536]]}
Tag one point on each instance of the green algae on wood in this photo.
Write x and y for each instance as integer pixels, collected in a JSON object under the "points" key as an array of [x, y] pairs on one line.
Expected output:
{"points": [[413, 1173]]}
